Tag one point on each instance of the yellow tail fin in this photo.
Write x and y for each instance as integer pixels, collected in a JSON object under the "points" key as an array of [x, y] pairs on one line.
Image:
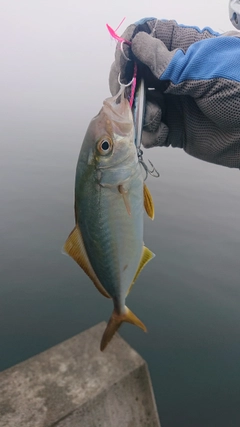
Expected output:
{"points": [[115, 322]]}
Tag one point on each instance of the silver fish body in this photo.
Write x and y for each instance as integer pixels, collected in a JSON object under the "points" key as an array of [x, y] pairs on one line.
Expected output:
{"points": [[113, 237], [107, 241]]}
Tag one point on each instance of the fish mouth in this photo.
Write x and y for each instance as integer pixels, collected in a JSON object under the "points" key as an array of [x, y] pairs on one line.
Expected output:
{"points": [[120, 112]]}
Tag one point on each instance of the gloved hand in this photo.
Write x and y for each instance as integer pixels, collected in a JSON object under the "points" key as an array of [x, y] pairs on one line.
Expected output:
{"points": [[196, 77]]}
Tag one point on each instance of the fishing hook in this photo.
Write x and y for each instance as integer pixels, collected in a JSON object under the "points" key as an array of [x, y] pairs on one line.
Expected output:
{"points": [[124, 54], [153, 172], [122, 84]]}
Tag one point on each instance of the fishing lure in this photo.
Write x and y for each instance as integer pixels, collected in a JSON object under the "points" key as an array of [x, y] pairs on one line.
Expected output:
{"points": [[137, 102]]}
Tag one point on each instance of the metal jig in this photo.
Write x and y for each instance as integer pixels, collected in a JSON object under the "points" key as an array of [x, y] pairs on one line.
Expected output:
{"points": [[138, 117]]}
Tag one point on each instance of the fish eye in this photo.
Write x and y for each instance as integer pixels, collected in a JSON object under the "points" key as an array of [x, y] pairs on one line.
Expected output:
{"points": [[105, 146]]}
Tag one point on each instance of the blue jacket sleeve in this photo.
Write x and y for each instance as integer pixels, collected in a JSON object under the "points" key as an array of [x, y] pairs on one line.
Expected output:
{"points": [[209, 73], [207, 59]]}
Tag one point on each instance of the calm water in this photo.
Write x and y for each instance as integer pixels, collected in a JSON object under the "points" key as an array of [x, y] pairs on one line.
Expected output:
{"points": [[188, 296]]}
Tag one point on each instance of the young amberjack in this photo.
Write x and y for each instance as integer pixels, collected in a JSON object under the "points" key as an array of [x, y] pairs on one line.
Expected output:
{"points": [[110, 195]]}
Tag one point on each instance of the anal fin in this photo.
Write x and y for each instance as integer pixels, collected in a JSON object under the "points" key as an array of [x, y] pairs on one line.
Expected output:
{"points": [[147, 255]]}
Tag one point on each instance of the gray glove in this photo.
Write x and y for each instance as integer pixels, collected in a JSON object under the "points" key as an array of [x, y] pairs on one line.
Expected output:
{"points": [[195, 104]]}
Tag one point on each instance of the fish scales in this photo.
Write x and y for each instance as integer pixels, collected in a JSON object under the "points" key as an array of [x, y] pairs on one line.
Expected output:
{"points": [[117, 236]]}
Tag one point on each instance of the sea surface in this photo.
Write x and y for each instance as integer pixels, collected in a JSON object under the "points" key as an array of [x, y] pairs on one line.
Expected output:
{"points": [[188, 296]]}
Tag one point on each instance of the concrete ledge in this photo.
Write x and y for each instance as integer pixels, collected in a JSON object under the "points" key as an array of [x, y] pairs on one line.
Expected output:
{"points": [[74, 384]]}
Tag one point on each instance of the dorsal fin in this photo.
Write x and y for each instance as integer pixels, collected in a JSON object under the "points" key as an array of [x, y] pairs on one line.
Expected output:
{"points": [[148, 202]]}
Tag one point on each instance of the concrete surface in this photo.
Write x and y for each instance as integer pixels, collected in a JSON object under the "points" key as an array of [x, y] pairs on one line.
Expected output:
{"points": [[74, 384]]}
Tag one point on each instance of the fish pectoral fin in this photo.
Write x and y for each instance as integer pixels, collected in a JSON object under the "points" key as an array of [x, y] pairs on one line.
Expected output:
{"points": [[124, 193], [148, 202], [147, 255], [115, 322], [75, 248]]}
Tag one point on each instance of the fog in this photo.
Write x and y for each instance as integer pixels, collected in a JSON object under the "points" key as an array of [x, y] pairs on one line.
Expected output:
{"points": [[55, 58], [56, 55]]}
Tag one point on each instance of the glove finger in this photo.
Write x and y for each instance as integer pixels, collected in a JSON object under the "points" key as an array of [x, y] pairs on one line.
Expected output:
{"points": [[153, 117], [155, 109], [152, 52], [155, 132], [154, 139]]}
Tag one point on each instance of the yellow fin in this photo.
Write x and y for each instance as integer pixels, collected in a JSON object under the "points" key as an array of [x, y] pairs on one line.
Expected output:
{"points": [[148, 201], [74, 247], [115, 322], [147, 255], [124, 193]]}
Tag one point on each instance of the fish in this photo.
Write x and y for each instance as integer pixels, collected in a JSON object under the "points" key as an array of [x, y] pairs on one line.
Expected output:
{"points": [[110, 195]]}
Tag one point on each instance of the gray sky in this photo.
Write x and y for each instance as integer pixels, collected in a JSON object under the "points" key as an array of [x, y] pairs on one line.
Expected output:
{"points": [[55, 55]]}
